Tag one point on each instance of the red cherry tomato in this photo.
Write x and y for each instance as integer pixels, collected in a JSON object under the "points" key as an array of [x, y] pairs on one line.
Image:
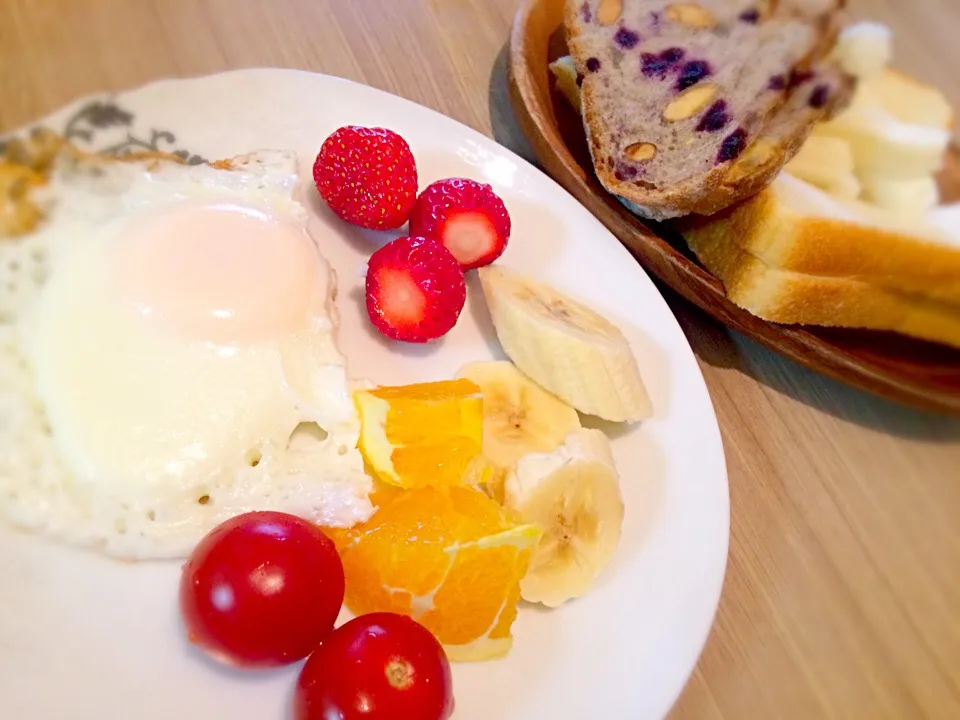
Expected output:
{"points": [[262, 589], [380, 666]]}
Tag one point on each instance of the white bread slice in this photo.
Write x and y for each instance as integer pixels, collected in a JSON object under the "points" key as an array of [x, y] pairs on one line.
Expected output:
{"points": [[827, 163], [796, 227], [791, 298]]}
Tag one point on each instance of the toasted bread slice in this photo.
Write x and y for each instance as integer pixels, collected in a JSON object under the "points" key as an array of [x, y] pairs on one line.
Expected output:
{"points": [[796, 227], [792, 298], [691, 107]]}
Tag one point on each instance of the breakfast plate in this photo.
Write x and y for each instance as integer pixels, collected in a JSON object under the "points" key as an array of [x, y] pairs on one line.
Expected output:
{"points": [[893, 366], [82, 635]]}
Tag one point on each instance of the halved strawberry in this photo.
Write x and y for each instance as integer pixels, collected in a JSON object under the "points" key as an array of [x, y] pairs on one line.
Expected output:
{"points": [[415, 289], [466, 216]]}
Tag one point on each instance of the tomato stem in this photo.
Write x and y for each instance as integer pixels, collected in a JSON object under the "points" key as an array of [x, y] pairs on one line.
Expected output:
{"points": [[399, 674]]}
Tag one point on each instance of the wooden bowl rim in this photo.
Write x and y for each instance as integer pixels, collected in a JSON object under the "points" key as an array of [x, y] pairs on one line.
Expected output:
{"points": [[795, 342]]}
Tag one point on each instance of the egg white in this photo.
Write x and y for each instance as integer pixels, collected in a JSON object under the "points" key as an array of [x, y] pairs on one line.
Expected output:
{"points": [[123, 435]]}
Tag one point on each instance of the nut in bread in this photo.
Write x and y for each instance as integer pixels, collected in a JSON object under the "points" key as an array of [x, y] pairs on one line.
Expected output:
{"points": [[638, 152], [690, 102], [609, 11], [691, 15]]}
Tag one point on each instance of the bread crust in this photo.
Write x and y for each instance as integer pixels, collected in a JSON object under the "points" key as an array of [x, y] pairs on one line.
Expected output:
{"points": [[790, 239], [791, 298]]}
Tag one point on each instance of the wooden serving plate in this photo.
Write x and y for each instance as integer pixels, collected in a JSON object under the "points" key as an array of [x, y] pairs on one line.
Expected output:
{"points": [[910, 371]]}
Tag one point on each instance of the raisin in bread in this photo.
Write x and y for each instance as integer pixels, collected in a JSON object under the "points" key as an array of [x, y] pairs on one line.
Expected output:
{"points": [[691, 107]]}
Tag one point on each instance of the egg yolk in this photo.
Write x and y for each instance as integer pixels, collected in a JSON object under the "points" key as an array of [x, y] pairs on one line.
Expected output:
{"points": [[223, 273]]}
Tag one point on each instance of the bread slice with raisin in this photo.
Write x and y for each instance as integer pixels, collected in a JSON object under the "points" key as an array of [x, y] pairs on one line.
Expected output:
{"points": [[691, 107]]}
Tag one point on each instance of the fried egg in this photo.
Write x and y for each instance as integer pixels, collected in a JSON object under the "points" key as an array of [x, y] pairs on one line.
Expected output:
{"points": [[168, 358]]}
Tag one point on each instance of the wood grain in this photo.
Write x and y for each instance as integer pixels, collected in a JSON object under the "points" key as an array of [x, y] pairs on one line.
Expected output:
{"points": [[843, 586], [917, 373]]}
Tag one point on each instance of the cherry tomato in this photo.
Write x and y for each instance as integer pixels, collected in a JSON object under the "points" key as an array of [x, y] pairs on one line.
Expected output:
{"points": [[380, 666], [261, 590]]}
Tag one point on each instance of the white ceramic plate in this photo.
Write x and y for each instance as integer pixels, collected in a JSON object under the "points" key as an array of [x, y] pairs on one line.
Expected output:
{"points": [[83, 637]]}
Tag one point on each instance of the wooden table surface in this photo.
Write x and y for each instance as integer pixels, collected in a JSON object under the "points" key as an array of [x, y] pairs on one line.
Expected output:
{"points": [[842, 597]]}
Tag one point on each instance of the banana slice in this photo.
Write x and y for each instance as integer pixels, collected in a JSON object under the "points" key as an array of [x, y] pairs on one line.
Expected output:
{"points": [[565, 347], [573, 494], [519, 416]]}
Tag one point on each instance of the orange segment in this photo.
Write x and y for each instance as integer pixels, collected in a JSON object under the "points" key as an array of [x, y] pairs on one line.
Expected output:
{"points": [[419, 435], [451, 558]]}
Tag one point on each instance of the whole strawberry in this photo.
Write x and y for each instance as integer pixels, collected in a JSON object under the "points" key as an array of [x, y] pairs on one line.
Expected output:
{"points": [[415, 289], [367, 176], [466, 216]]}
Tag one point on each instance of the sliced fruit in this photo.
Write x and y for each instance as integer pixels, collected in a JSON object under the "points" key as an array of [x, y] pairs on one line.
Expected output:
{"points": [[418, 435], [414, 290], [519, 416], [573, 494], [450, 558], [565, 347], [375, 667], [466, 216], [486, 476], [367, 176]]}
